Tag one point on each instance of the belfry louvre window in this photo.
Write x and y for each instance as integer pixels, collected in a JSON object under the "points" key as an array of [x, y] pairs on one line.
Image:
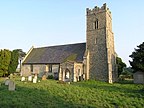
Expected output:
{"points": [[95, 24]]}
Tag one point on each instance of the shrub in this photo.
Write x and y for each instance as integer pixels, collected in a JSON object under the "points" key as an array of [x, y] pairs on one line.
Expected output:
{"points": [[50, 77]]}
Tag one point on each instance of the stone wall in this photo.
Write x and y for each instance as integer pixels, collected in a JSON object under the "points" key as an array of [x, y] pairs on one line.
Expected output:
{"points": [[26, 70], [78, 71], [38, 69]]}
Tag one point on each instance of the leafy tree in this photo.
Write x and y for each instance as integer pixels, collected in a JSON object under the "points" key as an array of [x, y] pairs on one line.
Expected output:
{"points": [[137, 56], [21, 53], [14, 61], [5, 57], [127, 72], [1, 72], [120, 65], [16, 55]]}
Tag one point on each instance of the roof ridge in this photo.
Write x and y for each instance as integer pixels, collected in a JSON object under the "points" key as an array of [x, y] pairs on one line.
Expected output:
{"points": [[60, 45]]}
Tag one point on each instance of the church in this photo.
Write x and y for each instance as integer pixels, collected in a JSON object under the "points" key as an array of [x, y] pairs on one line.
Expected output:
{"points": [[95, 59]]}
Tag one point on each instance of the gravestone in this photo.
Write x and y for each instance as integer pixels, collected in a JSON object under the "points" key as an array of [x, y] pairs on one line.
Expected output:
{"points": [[34, 80], [23, 79], [44, 77], [11, 86], [35, 76], [30, 78], [7, 81], [138, 77]]}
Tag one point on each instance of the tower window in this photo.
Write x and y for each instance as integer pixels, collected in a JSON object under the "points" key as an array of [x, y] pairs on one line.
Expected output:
{"points": [[95, 40], [95, 24]]}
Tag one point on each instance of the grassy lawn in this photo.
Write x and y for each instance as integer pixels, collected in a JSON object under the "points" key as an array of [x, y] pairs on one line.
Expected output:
{"points": [[85, 94]]}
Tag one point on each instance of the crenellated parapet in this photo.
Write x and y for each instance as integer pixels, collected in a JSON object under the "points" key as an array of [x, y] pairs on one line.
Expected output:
{"points": [[97, 9]]}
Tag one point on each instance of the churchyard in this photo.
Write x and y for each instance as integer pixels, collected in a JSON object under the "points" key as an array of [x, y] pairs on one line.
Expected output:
{"points": [[84, 94]]}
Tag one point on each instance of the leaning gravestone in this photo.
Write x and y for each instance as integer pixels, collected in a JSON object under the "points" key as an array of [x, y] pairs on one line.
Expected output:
{"points": [[30, 78], [7, 81], [11, 86]]}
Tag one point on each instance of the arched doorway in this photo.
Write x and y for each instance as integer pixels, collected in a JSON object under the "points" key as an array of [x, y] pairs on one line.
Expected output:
{"points": [[67, 75]]}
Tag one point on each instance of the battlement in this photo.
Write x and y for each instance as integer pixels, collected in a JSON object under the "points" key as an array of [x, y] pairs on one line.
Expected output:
{"points": [[97, 9]]}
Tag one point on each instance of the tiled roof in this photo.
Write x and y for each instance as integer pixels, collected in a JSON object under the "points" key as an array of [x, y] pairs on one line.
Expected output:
{"points": [[56, 54]]}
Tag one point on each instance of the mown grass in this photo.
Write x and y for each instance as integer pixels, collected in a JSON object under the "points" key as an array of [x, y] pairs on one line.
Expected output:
{"points": [[85, 94]]}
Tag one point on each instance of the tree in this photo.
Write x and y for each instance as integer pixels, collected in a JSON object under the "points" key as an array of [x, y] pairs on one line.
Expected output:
{"points": [[14, 61], [120, 65], [137, 56], [21, 53], [127, 72], [16, 55], [5, 57]]}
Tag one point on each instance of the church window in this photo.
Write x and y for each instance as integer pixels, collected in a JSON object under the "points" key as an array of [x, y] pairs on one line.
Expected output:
{"points": [[50, 68], [31, 67], [95, 40], [78, 72], [95, 24]]}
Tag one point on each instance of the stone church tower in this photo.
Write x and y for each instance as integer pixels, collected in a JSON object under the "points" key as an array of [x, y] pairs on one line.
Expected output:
{"points": [[101, 56]]}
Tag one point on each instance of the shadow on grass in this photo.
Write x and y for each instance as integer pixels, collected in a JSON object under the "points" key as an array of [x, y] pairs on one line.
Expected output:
{"points": [[126, 88], [24, 97]]}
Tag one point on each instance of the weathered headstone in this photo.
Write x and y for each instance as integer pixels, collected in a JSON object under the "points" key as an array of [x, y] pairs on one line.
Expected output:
{"points": [[30, 78], [35, 76], [138, 77], [7, 81], [34, 80], [44, 77], [11, 86], [23, 79]]}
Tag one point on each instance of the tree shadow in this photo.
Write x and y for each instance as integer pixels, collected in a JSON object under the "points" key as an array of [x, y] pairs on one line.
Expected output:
{"points": [[116, 87], [24, 97]]}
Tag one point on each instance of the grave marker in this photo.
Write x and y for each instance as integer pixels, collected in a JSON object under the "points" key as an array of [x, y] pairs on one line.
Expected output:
{"points": [[7, 81], [30, 78], [11, 86], [23, 79]]}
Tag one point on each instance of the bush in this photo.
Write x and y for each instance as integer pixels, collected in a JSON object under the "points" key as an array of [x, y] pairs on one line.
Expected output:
{"points": [[121, 78], [50, 77]]}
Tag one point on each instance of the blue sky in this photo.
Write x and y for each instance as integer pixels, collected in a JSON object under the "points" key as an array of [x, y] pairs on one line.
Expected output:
{"points": [[39, 23]]}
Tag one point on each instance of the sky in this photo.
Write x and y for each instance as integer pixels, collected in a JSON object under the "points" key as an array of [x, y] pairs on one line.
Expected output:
{"points": [[40, 23]]}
